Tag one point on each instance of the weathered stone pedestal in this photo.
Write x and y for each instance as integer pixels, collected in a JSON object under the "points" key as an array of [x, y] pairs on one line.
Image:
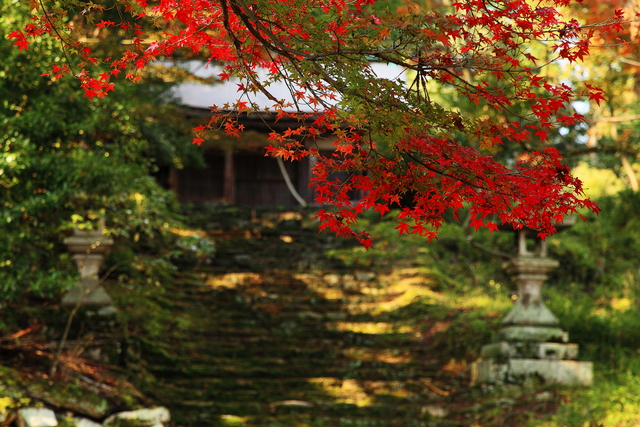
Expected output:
{"points": [[89, 249], [531, 343], [89, 323]]}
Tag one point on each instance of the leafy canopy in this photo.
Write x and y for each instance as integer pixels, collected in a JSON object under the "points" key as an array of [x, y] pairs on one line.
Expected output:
{"points": [[66, 161], [609, 139], [393, 140]]}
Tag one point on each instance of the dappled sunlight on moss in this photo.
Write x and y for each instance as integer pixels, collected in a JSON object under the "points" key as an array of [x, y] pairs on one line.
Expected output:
{"points": [[333, 294], [324, 347], [369, 327], [612, 401], [233, 280], [184, 232], [621, 304], [233, 420], [384, 355], [404, 291], [456, 367], [494, 306], [362, 393], [405, 299], [348, 391]]}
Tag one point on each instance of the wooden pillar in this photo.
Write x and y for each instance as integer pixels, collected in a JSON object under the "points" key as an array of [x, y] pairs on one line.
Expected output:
{"points": [[229, 177], [174, 183]]}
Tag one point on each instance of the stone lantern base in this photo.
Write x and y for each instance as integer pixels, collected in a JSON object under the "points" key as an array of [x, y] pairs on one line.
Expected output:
{"points": [[89, 249], [90, 316], [88, 293], [515, 362], [531, 343], [567, 372]]}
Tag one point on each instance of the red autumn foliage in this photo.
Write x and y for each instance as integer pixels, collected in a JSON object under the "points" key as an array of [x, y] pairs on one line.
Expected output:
{"points": [[391, 138]]}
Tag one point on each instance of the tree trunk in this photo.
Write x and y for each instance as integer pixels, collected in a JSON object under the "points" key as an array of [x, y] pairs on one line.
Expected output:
{"points": [[633, 179]]}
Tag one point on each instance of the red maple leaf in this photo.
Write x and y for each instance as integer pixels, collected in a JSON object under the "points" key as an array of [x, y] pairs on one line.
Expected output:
{"points": [[383, 209], [323, 60], [20, 39], [595, 94], [104, 24], [403, 228]]}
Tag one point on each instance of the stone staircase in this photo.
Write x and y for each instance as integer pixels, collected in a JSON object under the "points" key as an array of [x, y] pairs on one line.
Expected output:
{"points": [[274, 333], [281, 348]]}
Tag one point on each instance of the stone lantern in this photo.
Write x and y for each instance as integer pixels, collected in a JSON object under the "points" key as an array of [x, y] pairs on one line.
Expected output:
{"points": [[530, 342], [89, 249]]}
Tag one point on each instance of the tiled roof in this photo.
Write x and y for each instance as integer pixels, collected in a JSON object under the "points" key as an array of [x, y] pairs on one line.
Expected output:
{"points": [[201, 96]]}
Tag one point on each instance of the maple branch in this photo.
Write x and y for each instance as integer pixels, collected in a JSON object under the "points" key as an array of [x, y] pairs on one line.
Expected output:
{"points": [[465, 85], [490, 251], [448, 175], [248, 17], [602, 149], [60, 38], [238, 46], [278, 47], [615, 119], [607, 23], [322, 51], [288, 80]]}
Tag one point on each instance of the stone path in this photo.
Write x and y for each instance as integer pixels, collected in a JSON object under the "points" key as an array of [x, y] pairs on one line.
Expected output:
{"points": [[256, 340], [281, 349]]}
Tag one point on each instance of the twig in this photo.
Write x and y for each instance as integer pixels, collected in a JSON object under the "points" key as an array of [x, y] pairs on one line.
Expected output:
{"points": [[490, 251], [67, 328], [433, 388], [21, 333]]}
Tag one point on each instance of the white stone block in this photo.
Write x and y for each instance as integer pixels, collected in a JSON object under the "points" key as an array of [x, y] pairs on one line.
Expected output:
{"points": [[435, 411], [36, 417], [155, 417], [530, 350], [555, 351], [567, 372], [526, 333], [85, 422]]}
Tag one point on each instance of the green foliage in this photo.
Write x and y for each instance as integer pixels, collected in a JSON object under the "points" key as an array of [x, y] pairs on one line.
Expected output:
{"points": [[606, 330], [67, 162], [12, 394], [601, 254], [458, 259], [598, 182], [594, 294], [193, 248]]}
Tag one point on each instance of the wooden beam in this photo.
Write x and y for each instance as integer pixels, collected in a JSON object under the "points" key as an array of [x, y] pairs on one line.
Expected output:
{"points": [[229, 177]]}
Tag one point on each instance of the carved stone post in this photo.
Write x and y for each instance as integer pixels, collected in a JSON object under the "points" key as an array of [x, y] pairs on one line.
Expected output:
{"points": [[530, 319], [530, 342], [89, 249]]}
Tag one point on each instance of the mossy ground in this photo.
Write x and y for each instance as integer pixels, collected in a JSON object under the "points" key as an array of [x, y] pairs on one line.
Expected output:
{"points": [[276, 333], [273, 331]]}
